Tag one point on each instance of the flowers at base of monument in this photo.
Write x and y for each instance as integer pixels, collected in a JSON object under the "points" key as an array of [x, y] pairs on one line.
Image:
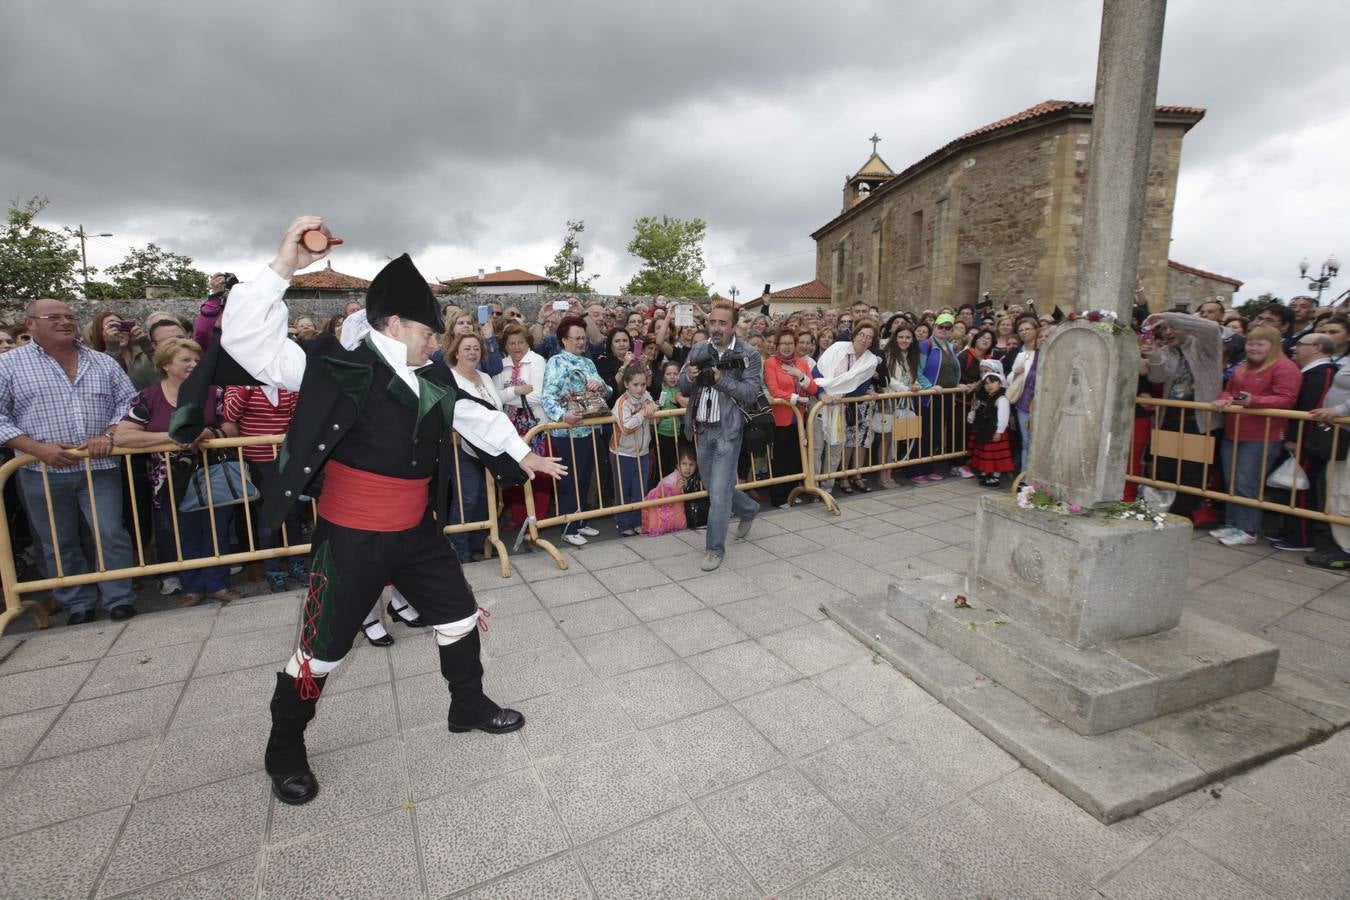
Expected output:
{"points": [[1136, 510], [1104, 319], [1032, 497]]}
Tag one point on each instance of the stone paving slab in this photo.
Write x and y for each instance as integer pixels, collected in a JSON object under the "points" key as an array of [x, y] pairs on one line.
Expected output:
{"points": [[684, 739]]}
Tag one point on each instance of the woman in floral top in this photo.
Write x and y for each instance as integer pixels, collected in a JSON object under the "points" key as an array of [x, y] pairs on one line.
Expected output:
{"points": [[147, 424], [569, 371]]}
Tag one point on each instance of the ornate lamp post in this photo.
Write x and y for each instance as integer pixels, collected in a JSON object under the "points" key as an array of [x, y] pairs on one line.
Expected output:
{"points": [[1330, 269], [577, 262], [734, 293]]}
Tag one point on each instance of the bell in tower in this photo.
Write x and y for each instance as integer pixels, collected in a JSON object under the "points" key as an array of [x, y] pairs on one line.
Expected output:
{"points": [[873, 174]]}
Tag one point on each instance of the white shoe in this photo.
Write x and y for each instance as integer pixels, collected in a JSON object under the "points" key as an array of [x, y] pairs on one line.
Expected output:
{"points": [[963, 471], [169, 585], [588, 531], [1238, 538], [1222, 532], [575, 540]]}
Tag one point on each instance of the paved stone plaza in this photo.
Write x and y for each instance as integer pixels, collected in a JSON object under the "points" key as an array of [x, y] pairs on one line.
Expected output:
{"points": [[687, 736]]}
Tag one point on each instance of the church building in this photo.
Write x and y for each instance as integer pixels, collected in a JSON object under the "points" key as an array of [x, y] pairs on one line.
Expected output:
{"points": [[999, 210]]}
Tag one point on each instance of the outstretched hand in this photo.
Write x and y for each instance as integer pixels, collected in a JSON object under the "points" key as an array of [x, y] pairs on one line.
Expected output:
{"points": [[293, 255], [533, 464]]}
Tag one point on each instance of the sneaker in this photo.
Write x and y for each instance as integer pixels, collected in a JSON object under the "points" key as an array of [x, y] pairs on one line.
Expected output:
{"points": [[628, 532], [919, 479], [1238, 538], [935, 477], [235, 570], [710, 561], [575, 540], [276, 581], [588, 531], [1222, 532], [1331, 559], [743, 528], [963, 471], [169, 584], [297, 570], [1292, 546]]}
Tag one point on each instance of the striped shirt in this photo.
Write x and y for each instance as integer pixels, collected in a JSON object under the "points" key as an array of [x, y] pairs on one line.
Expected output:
{"points": [[250, 407], [39, 400]]}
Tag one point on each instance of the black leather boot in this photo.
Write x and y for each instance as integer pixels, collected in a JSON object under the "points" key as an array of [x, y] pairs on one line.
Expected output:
{"points": [[285, 759], [470, 708]]}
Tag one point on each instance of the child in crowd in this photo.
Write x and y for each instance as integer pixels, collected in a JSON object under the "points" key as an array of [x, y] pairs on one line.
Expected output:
{"points": [[682, 480], [668, 396], [990, 452], [631, 443]]}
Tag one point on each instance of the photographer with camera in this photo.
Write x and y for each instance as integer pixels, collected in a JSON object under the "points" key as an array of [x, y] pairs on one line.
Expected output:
{"points": [[209, 316], [723, 377]]}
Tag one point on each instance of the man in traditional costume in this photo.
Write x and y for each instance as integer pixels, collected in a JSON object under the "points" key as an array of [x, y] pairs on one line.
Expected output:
{"points": [[374, 420]]}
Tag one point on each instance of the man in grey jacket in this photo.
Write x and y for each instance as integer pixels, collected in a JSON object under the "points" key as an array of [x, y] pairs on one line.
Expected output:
{"points": [[722, 377]]}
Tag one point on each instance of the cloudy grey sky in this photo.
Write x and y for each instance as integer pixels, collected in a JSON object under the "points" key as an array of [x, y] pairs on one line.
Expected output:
{"points": [[467, 132]]}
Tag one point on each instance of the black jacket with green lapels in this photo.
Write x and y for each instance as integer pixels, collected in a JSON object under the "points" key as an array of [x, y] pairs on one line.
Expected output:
{"points": [[354, 409]]}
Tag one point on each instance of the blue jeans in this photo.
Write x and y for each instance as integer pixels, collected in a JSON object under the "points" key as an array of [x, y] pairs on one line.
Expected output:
{"points": [[1024, 426], [194, 534], [1250, 475], [630, 487], [70, 505], [578, 455], [718, 451], [268, 538], [471, 490]]}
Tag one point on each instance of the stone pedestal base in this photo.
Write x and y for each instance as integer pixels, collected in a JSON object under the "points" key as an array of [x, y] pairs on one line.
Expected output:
{"points": [[1092, 690], [1122, 772]]}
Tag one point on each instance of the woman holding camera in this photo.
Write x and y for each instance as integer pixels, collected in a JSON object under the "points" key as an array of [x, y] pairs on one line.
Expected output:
{"points": [[120, 338]]}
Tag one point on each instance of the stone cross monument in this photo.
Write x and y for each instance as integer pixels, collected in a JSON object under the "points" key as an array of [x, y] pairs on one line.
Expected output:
{"points": [[1086, 375]]}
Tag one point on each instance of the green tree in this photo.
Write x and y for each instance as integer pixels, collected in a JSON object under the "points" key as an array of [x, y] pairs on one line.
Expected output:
{"points": [[672, 254], [1256, 304], [150, 265], [35, 261], [561, 269], [455, 288]]}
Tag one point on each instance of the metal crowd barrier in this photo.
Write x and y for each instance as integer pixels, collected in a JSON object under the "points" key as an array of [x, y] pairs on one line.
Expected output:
{"points": [[14, 589], [1190, 455], [593, 505], [925, 427]]}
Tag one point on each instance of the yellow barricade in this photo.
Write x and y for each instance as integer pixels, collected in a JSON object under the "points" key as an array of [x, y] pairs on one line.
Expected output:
{"points": [[1186, 456], [895, 430], [14, 589], [585, 509]]}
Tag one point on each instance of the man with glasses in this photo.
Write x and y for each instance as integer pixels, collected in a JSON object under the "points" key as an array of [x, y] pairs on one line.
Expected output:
{"points": [[1281, 318], [1312, 352], [56, 396]]}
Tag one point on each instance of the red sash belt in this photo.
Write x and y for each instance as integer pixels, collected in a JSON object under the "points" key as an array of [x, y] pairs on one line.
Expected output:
{"points": [[369, 502]]}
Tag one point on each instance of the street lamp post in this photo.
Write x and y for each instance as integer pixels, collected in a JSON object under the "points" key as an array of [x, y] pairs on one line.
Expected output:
{"points": [[734, 293], [1330, 269], [84, 260], [577, 261]]}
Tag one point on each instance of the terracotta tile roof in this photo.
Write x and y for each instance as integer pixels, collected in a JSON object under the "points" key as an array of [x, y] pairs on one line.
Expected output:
{"points": [[1047, 111], [510, 276], [1191, 270], [811, 290], [327, 279]]}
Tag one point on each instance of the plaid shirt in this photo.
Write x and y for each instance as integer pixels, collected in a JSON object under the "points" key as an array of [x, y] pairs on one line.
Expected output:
{"points": [[38, 399]]}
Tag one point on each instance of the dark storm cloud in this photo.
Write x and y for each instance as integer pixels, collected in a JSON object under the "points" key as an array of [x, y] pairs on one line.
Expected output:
{"points": [[472, 131]]}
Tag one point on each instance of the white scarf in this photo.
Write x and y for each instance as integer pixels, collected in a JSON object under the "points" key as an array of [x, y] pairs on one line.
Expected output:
{"points": [[838, 380]]}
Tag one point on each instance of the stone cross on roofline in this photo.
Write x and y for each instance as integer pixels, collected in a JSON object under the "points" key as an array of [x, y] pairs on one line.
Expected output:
{"points": [[875, 140]]}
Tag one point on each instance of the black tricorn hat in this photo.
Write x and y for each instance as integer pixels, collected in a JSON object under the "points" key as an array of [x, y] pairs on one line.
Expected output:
{"points": [[400, 290]]}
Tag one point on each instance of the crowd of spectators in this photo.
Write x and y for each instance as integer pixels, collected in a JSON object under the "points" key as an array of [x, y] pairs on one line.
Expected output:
{"points": [[115, 384]]}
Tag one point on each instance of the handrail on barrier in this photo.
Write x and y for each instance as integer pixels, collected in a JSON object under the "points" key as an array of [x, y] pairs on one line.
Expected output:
{"points": [[534, 523], [916, 435], [1199, 448], [14, 589]]}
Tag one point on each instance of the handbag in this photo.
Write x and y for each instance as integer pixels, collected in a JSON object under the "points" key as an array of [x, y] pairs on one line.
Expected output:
{"points": [[1317, 439], [758, 431], [586, 402], [696, 511], [906, 426], [226, 487], [1288, 475]]}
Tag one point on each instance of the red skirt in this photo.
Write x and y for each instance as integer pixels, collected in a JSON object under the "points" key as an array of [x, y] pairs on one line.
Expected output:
{"points": [[995, 456]]}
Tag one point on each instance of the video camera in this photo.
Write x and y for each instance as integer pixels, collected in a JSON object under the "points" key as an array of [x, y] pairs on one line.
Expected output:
{"points": [[705, 372]]}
